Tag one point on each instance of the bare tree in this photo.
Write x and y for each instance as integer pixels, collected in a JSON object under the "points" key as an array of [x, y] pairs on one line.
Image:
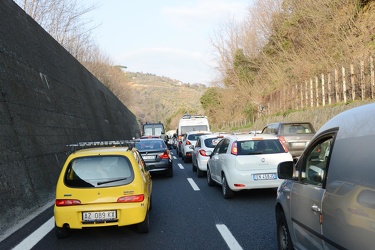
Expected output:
{"points": [[65, 21]]}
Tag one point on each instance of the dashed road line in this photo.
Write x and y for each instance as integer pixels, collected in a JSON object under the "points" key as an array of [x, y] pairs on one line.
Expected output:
{"points": [[228, 237], [180, 166], [193, 184]]}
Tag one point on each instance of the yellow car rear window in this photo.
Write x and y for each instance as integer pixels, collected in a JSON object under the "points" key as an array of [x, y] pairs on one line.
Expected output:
{"points": [[99, 171]]}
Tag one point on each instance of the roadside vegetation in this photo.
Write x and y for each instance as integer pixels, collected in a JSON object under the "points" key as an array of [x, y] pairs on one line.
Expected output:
{"points": [[283, 43]]}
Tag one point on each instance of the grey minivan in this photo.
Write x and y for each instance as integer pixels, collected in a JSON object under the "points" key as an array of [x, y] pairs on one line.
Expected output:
{"points": [[327, 200]]}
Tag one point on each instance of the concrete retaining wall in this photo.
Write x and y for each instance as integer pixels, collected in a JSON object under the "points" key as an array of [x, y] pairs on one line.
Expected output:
{"points": [[47, 100]]}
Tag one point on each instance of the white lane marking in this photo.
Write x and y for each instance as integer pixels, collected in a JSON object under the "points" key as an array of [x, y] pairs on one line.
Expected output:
{"points": [[174, 157], [180, 166], [193, 185], [228, 237], [23, 222], [36, 236]]}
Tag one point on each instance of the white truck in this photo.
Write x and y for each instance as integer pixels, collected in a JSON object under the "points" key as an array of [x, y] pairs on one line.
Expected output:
{"points": [[190, 123]]}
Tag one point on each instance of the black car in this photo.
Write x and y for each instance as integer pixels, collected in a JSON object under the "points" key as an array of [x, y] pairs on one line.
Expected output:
{"points": [[156, 155]]}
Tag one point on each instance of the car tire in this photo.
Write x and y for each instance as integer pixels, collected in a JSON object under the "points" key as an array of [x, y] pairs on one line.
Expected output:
{"points": [[144, 226], [193, 167], [150, 207], [284, 241], [169, 172], [200, 173], [227, 192], [62, 232], [210, 181]]}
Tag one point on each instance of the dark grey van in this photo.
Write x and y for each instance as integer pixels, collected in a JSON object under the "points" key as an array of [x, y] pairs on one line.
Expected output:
{"points": [[295, 135], [327, 200]]}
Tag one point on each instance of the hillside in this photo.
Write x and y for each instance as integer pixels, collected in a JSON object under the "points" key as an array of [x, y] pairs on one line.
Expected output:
{"points": [[158, 98], [300, 40]]}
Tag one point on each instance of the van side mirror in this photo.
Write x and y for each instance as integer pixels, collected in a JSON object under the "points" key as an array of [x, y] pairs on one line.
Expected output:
{"points": [[285, 170]]}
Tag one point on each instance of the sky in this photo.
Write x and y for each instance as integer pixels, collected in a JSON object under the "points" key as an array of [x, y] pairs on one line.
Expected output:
{"points": [[168, 38]]}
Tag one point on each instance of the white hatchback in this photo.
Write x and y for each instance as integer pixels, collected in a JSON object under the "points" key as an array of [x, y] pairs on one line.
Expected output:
{"points": [[188, 142], [246, 161], [202, 150]]}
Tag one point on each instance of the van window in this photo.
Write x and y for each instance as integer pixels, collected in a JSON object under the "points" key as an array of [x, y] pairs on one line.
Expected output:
{"points": [[314, 168]]}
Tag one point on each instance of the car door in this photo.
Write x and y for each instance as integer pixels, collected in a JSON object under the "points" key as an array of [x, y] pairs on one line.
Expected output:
{"points": [[197, 147], [222, 158], [307, 193], [214, 161]]}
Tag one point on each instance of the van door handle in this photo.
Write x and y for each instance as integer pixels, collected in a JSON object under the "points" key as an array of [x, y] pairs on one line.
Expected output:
{"points": [[315, 208]]}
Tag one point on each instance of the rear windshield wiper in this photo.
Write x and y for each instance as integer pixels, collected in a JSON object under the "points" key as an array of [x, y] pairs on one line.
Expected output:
{"points": [[106, 182]]}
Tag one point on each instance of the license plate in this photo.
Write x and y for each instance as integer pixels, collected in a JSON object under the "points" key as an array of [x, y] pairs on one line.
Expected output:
{"points": [[299, 144], [148, 157], [99, 216], [258, 177]]}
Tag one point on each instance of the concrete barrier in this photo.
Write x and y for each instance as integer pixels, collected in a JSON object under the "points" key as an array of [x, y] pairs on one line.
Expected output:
{"points": [[47, 100]]}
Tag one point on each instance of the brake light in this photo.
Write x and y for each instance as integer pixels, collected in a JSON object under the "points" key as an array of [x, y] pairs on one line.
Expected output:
{"points": [[202, 152], [283, 143], [132, 198], [188, 143], [282, 139], [164, 155], [239, 185], [67, 202], [234, 148]]}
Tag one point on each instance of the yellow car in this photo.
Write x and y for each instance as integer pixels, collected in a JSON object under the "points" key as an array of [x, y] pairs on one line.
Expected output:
{"points": [[104, 184]]}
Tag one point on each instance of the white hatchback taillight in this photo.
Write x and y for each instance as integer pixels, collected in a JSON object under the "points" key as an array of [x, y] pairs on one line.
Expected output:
{"points": [[234, 150]]}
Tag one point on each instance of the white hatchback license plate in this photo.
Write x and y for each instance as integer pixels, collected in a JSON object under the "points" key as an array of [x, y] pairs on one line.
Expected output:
{"points": [[299, 144], [99, 215], [258, 177], [148, 157]]}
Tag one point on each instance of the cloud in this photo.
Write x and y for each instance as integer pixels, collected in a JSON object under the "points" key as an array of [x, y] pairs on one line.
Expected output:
{"points": [[204, 12]]}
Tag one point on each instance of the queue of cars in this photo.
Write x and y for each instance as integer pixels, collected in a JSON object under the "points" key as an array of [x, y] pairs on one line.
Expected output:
{"points": [[325, 195]]}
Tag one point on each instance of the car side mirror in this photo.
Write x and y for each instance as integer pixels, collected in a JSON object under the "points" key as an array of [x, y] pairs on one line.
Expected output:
{"points": [[285, 170]]}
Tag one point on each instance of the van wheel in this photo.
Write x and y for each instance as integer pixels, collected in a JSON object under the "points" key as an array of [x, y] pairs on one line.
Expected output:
{"points": [[227, 192], [144, 226], [283, 236], [62, 232], [210, 181]]}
